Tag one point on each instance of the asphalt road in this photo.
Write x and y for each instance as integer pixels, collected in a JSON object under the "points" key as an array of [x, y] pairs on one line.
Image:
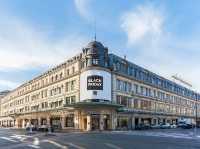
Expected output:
{"points": [[158, 139]]}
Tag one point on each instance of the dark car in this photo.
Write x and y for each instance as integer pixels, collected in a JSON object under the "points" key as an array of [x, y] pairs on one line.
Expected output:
{"points": [[187, 126], [180, 124], [142, 127]]}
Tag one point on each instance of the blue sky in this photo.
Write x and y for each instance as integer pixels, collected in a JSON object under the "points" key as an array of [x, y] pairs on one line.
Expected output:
{"points": [[162, 36]]}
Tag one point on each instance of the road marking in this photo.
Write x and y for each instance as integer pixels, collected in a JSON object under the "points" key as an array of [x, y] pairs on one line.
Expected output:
{"points": [[8, 139], [19, 136], [113, 146], [75, 146], [55, 143], [33, 146]]}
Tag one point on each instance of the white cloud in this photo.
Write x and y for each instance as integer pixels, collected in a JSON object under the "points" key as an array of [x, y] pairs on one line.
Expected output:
{"points": [[83, 7], [152, 45], [8, 84], [23, 46], [142, 23]]}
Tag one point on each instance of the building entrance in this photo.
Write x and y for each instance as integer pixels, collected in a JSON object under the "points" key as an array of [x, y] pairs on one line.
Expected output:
{"points": [[95, 120]]}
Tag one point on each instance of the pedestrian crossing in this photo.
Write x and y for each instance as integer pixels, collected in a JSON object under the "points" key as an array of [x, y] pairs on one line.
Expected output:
{"points": [[161, 134], [34, 142]]}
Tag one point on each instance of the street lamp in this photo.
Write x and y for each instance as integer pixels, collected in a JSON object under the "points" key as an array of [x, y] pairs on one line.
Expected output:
{"points": [[195, 129], [133, 96]]}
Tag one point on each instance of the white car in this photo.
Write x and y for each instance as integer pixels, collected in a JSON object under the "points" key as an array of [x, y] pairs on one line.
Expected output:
{"points": [[173, 126], [166, 126]]}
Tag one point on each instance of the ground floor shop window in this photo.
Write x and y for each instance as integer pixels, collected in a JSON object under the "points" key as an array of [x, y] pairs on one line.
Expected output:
{"points": [[69, 122], [43, 122], [56, 123], [122, 122]]}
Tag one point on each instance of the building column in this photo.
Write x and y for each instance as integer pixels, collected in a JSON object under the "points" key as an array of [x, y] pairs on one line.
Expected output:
{"points": [[113, 121], [17, 123], [156, 121], [48, 120], [62, 121], [139, 120], [76, 120], [23, 123], [88, 122], [39, 121], [133, 122], [101, 121]]}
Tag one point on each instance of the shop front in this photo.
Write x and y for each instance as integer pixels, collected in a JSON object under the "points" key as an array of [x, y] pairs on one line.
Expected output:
{"points": [[92, 116]]}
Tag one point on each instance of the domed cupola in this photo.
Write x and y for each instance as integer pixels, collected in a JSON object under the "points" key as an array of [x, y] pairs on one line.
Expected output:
{"points": [[95, 54]]}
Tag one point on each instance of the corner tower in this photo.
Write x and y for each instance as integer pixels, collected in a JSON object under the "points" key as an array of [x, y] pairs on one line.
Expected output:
{"points": [[95, 54], [95, 78]]}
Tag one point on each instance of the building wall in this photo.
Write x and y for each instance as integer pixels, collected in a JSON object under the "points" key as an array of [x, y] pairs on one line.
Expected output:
{"points": [[136, 95], [52, 94], [47, 92]]}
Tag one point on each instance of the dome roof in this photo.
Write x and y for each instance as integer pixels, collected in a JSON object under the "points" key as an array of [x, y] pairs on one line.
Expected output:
{"points": [[95, 44]]}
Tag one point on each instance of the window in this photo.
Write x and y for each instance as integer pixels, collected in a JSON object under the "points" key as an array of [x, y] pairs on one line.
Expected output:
{"points": [[67, 71], [56, 77], [73, 99], [42, 105], [42, 94], [145, 105], [61, 75], [70, 121], [59, 90], [56, 104], [72, 85], [124, 101], [141, 90], [146, 91], [52, 79], [136, 103], [136, 88], [124, 86], [118, 99], [129, 87], [73, 69], [118, 84], [159, 95], [150, 92], [67, 100], [95, 61], [67, 86], [60, 103]]}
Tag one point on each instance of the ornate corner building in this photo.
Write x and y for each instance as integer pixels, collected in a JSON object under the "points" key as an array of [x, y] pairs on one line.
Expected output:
{"points": [[96, 90]]}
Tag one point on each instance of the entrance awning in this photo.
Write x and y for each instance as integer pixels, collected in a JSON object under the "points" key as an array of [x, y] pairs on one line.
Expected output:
{"points": [[94, 105]]}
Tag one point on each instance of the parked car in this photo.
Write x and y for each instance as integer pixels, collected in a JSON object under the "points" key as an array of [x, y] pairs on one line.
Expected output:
{"points": [[173, 126], [187, 126], [166, 126], [180, 124], [142, 127], [156, 126]]}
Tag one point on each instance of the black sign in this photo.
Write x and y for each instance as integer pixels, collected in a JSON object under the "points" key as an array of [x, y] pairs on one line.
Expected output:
{"points": [[94, 82]]}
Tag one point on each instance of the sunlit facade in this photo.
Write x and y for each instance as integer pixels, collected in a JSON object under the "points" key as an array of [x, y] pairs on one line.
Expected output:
{"points": [[97, 90]]}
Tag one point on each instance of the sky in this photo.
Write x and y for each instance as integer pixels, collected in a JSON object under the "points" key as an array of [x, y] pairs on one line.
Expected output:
{"points": [[162, 36]]}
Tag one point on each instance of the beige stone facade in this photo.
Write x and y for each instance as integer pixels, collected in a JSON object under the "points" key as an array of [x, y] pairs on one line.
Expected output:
{"points": [[53, 99]]}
